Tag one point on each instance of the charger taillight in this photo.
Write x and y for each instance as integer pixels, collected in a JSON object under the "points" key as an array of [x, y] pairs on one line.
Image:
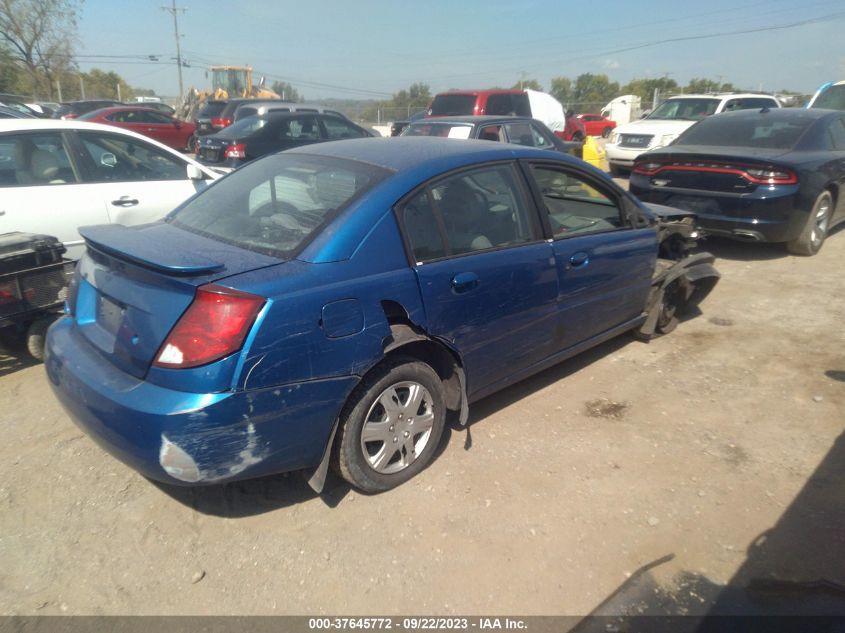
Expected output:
{"points": [[213, 327], [221, 123], [236, 150]]}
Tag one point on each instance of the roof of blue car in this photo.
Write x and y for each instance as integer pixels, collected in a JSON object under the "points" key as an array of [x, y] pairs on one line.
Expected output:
{"points": [[401, 152]]}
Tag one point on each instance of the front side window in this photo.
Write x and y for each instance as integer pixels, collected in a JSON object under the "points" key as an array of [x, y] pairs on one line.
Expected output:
{"points": [[120, 159], [469, 212], [34, 159], [338, 129], [279, 203], [575, 205], [749, 103], [523, 133]]}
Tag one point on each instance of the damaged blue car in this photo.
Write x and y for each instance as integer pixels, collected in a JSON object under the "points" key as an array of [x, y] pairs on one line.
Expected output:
{"points": [[330, 305]]}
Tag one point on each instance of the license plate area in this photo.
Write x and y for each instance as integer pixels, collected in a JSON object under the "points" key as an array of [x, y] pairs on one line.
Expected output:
{"points": [[109, 315]]}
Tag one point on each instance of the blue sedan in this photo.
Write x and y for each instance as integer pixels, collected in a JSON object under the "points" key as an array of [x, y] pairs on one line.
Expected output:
{"points": [[755, 175], [330, 304]]}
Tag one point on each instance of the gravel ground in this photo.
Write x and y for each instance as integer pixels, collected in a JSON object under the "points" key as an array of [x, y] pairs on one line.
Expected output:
{"points": [[695, 445]]}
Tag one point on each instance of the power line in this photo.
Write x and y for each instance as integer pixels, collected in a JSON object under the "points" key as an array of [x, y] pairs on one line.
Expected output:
{"points": [[174, 10]]}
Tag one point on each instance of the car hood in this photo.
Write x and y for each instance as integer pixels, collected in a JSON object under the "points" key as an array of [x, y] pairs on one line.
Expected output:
{"points": [[656, 127]]}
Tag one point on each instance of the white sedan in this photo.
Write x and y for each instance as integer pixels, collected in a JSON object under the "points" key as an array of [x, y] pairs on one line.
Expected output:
{"points": [[56, 176]]}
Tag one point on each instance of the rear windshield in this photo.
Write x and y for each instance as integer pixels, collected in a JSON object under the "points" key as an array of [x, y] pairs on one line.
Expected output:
{"points": [[833, 98], [243, 128], [212, 108], [278, 204], [453, 105], [759, 131], [684, 109], [449, 130]]}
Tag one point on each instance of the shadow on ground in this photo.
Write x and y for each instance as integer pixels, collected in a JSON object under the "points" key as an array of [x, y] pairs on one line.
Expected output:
{"points": [[792, 572]]}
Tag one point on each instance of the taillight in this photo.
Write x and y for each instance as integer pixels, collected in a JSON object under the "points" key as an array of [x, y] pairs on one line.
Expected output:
{"points": [[770, 176], [647, 168], [221, 123], [9, 293], [236, 150], [214, 326]]}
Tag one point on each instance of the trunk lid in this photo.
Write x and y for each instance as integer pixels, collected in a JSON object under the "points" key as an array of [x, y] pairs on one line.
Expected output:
{"points": [[702, 168], [133, 284]]}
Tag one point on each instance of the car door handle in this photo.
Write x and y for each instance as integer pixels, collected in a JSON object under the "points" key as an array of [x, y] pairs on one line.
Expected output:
{"points": [[464, 282], [578, 260], [124, 201], [2, 213]]}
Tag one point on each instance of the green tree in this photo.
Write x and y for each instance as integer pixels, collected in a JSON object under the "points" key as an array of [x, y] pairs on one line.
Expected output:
{"points": [[644, 88], [593, 91], [9, 72], [39, 34], [402, 104], [527, 84], [286, 91], [562, 90], [707, 85]]}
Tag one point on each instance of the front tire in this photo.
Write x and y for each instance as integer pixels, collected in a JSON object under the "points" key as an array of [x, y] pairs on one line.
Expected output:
{"points": [[815, 231], [391, 426], [605, 133]]}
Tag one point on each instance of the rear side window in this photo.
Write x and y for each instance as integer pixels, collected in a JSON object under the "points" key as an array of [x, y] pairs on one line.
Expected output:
{"points": [[279, 204], [469, 212], [453, 105], [837, 134]]}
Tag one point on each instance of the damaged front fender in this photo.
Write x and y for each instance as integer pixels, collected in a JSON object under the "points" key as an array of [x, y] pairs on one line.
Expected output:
{"points": [[677, 287]]}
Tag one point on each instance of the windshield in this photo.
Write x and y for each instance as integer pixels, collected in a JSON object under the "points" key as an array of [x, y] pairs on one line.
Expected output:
{"points": [[833, 98], [453, 105], [449, 130], [278, 204], [762, 132], [684, 109]]}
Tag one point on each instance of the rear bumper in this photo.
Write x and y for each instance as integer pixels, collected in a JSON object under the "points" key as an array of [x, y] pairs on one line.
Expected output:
{"points": [[777, 218], [188, 438]]}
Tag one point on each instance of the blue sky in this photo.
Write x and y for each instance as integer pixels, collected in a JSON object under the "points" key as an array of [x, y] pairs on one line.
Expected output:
{"points": [[373, 48]]}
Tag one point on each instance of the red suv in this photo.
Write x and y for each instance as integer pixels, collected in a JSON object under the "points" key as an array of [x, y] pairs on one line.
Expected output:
{"points": [[506, 102]]}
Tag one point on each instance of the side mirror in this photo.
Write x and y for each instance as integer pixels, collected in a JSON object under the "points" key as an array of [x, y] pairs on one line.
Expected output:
{"points": [[107, 159], [194, 172]]}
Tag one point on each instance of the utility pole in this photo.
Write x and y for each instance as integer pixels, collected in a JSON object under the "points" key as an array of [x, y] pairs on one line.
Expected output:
{"points": [[174, 10]]}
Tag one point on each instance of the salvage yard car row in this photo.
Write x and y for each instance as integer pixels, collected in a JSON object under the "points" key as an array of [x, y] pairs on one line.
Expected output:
{"points": [[331, 305]]}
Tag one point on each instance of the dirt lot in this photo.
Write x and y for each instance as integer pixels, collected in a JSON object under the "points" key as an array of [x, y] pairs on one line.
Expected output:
{"points": [[563, 486]]}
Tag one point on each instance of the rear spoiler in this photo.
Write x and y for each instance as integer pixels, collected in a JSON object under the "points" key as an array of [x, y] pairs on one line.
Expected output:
{"points": [[154, 246]]}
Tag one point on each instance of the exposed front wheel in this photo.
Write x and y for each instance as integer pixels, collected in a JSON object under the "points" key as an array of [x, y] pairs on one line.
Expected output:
{"points": [[815, 231], [391, 426]]}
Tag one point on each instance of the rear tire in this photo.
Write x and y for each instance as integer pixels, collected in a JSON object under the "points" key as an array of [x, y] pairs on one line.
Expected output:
{"points": [[815, 231], [577, 137], [36, 335], [391, 426], [615, 171]]}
